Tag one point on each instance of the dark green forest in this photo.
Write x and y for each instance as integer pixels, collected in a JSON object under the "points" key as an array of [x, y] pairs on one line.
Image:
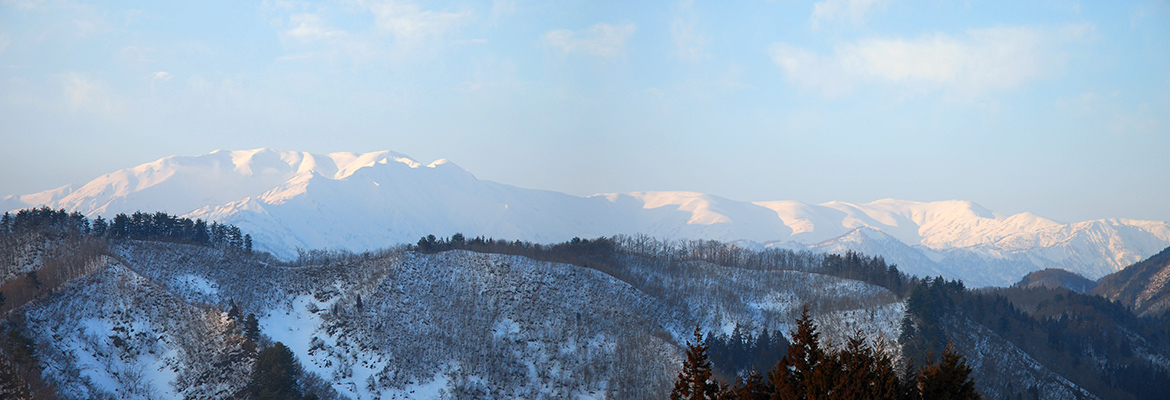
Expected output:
{"points": [[158, 226]]}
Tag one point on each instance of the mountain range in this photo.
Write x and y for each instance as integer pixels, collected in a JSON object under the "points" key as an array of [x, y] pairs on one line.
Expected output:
{"points": [[292, 201]]}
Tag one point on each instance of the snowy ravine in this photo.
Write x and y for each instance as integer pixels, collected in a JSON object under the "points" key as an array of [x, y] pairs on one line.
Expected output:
{"points": [[151, 323], [361, 201]]}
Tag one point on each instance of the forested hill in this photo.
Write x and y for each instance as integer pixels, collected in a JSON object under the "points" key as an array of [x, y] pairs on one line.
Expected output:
{"points": [[1100, 346], [1144, 287], [1053, 278], [481, 318], [154, 319]]}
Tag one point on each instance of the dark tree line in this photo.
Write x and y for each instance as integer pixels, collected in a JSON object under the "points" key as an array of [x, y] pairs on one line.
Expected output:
{"points": [[807, 371], [1087, 339], [158, 226], [602, 253], [742, 351]]}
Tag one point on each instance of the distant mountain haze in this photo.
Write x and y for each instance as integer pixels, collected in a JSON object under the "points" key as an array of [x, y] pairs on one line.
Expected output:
{"points": [[359, 201]]}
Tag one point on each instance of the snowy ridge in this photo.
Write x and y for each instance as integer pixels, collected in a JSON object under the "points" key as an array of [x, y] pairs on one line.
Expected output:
{"points": [[404, 325], [151, 323], [361, 201]]}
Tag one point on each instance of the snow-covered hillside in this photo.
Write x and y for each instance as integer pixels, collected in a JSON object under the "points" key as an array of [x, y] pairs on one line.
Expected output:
{"points": [[152, 321], [296, 200]]}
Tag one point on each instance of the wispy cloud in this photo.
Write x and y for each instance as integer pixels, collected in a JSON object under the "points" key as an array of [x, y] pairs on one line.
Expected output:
{"points": [[601, 40], [854, 12], [1140, 121], [398, 27], [83, 93], [410, 22], [503, 7], [689, 44], [74, 19], [310, 27], [995, 59]]}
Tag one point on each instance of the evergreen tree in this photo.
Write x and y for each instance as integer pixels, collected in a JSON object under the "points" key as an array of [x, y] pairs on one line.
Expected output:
{"points": [[252, 327], [274, 376], [909, 388], [753, 387], [201, 235], [694, 381], [99, 226], [233, 310], [235, 239], [864, 372], [950, 379], [120, 227], [803, 373], [248, 242]]}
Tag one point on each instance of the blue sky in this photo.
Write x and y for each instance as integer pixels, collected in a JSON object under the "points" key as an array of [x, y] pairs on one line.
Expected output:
{"points": [[1058, 108]]}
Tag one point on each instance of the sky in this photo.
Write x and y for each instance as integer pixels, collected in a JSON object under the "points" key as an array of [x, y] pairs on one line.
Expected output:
{"points": [[1059, 108]]}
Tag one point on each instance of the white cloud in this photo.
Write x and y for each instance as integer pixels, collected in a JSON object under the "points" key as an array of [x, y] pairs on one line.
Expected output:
{"points": [[75, 19], [1085, 103], [1140, 121], [139, 54], [84, 93], [310, 27], [410, 22], [25, 5], [996, 59], [399, 29], [503, 7], [601, 40], [689, 43], [853, 12]]}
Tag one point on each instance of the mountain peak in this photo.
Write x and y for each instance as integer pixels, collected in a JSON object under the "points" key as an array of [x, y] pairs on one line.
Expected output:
{"points": [[360, 201]]}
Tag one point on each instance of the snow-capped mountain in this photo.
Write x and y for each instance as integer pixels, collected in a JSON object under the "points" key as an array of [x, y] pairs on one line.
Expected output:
{"points": [[291, 200]]}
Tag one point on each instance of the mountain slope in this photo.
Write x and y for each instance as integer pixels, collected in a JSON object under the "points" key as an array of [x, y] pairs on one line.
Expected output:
{"points": [[1143, 286], [408, 325], [151, 322], [359, 201], [1056, 278]]}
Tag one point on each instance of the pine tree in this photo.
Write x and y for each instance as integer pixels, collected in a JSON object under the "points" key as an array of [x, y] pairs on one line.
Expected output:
{"points": [[950, 379], [274, 375], [909, 387], [803, 372], [694, 381], [858, 368], [751, 388], [233, 310], [252, 327], [99, 226]]}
